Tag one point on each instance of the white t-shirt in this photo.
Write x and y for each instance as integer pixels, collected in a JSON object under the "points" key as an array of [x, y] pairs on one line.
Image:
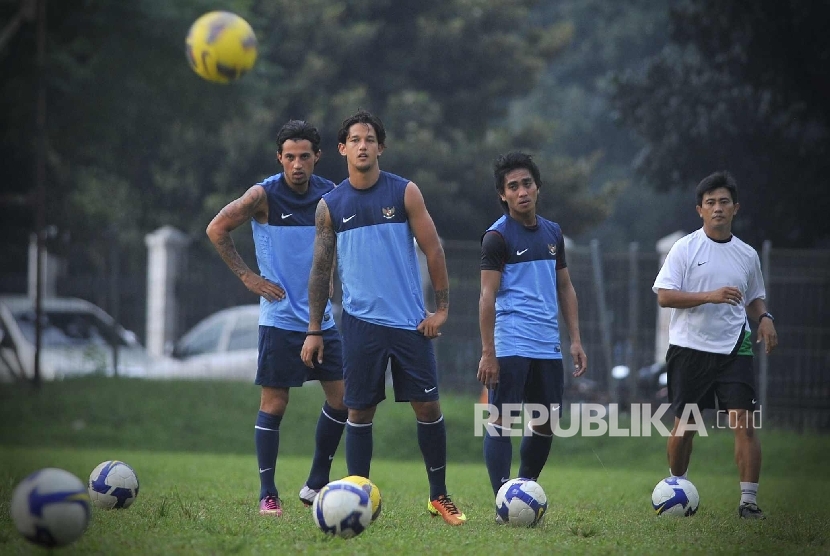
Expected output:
{"points": [[698, 264]]}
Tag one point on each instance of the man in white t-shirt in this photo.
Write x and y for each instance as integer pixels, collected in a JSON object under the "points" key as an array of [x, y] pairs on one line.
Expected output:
{"points": [[712, 281]]}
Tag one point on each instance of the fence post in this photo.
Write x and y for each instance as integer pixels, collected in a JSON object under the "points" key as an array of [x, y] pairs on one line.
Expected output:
{"points": [[763, 360], [633, 313], [166, 247], [605, 325]]}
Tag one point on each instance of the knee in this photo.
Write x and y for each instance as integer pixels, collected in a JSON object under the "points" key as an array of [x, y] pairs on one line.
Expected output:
{"points": [[361, 416], [427, 412]]}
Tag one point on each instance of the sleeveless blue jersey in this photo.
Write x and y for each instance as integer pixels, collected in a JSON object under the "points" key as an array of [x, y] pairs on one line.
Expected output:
{"points": [[376, 257], [527, 305], [284, 251]]}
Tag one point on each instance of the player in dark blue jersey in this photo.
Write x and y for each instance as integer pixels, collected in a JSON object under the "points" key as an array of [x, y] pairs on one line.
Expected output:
{"points": [[281, 211], [371, 221], [524, 285]]}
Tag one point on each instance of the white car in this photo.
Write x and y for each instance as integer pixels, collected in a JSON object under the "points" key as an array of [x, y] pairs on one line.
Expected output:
{"points": [[78, 338], [223, 345]]}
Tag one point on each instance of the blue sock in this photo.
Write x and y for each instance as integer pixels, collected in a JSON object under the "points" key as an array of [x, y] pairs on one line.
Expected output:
{"points": [[267, 440], [498, 454], [432, 438], [358, 448], [534, 451], [330, 427]]}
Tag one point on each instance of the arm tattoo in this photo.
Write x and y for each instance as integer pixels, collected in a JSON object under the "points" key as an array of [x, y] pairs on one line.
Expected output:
{"points": [[442, 299], [237, 213], [321, 268]]}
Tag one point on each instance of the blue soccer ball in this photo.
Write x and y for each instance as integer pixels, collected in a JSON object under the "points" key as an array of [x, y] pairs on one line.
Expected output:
{"points": [[113, 485], [521, 503], [675, 496], [342, 509], [50, 507]]}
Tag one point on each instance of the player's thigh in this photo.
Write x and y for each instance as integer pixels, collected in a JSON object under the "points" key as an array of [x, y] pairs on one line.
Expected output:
{"points": [[735, 387], [513, 374], [331, 369], [414, 370], [691, 375], [364, 362], [545, 382], [278, 361]]}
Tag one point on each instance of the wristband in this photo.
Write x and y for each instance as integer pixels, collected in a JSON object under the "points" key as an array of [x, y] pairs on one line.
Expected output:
{"points": [[314, 333]]}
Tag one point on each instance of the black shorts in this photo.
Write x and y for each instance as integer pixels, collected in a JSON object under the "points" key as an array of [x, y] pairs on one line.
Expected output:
{"points": [[710, 380], [525, 380], [279, 364]]}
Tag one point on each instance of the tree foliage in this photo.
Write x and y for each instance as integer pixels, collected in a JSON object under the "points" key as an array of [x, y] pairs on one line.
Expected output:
{"points": [[136, 140], [743, 86]]}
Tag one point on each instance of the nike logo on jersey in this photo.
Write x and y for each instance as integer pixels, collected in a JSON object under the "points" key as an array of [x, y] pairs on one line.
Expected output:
{"points": [[521, 252], [261, 470], [284, 216], [428, 390], [704, 262], [434, 469], [349, 218]]}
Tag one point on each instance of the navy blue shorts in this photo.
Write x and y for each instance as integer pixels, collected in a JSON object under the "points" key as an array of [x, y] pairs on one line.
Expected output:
{"points": [[526, 380], [279, 364], [368, 348]]}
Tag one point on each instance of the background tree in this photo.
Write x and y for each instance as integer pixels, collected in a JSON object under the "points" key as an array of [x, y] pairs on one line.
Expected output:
{"points": [[742, 86]]}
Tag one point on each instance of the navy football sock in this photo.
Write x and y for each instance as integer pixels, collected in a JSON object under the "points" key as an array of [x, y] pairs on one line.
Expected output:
{"points": [[534, 452], [358, 448], [330, 427], [498, 454], [267, 440], [432, 439]]}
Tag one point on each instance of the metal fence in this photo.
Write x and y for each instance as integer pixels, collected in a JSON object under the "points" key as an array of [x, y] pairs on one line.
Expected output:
{"points": [[618, 317]]}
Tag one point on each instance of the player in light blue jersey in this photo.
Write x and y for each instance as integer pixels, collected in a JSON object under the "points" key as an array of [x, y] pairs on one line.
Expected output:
{"points": [[281, 211], [372, 218], [524, 284]]}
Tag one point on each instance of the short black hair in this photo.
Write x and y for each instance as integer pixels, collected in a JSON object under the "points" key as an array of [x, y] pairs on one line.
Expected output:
{"points": [[716, 181], [362, 117], [297, 130], [506, 163]]}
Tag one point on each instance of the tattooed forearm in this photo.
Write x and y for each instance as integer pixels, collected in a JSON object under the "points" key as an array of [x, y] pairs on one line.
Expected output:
{"points": [[227, 250], [321, 267], [229, 218], [442, 299]]}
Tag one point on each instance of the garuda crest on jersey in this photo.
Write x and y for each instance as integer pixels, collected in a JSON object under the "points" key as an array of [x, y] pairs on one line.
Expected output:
{"points": [[388, 212], [552, 249]]}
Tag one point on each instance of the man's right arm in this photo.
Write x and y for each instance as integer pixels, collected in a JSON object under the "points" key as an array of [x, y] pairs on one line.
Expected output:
{"points": [[321, 267], [677, 299], [253, 204]]}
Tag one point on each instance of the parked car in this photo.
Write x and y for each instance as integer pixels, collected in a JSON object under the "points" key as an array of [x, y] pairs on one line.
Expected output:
{"points": [[222, 345], [78, 338]]}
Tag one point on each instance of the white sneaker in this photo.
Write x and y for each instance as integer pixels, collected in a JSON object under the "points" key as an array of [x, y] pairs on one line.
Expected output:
{"points": [[307, 495]]}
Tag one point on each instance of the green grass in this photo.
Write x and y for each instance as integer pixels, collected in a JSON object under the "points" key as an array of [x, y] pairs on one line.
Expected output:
{"points": [[192, 447]]}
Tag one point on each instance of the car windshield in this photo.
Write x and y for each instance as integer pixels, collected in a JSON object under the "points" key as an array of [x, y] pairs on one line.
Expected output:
{"points": [[69, 328]]}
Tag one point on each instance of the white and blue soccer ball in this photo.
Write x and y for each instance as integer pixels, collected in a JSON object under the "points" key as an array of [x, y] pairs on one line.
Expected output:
{"points": [[113, 485], [50, 507], [521, 503], [675, 496], [342, 509]]}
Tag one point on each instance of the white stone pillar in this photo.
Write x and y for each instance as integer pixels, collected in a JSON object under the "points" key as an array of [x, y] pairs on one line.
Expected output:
{"points": [[166, 248], [50, 269], [661, 343]]}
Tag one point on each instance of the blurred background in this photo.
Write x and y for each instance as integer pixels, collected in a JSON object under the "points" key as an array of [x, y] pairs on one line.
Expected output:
{"points": [[625, 107]]}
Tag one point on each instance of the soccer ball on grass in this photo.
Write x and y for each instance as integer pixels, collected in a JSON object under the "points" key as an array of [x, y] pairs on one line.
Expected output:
{"points": [[50, 507], [675, 496], [371, 489], [113, 485], [342, 509], [221, 47], [521, 503]]}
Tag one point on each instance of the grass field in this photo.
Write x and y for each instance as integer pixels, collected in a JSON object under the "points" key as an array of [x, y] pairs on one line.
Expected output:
{"points": [[192, 447]]}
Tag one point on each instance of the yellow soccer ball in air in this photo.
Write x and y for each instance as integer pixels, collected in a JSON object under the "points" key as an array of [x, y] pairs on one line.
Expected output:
{"points": [[221, 47]]}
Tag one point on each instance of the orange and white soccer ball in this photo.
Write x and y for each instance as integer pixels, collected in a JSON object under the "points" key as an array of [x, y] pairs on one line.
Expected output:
{"points": [[221, 47]]}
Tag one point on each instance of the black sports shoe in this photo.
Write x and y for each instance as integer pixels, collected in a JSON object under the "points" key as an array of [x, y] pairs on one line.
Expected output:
{"points": [[749, 510]]}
